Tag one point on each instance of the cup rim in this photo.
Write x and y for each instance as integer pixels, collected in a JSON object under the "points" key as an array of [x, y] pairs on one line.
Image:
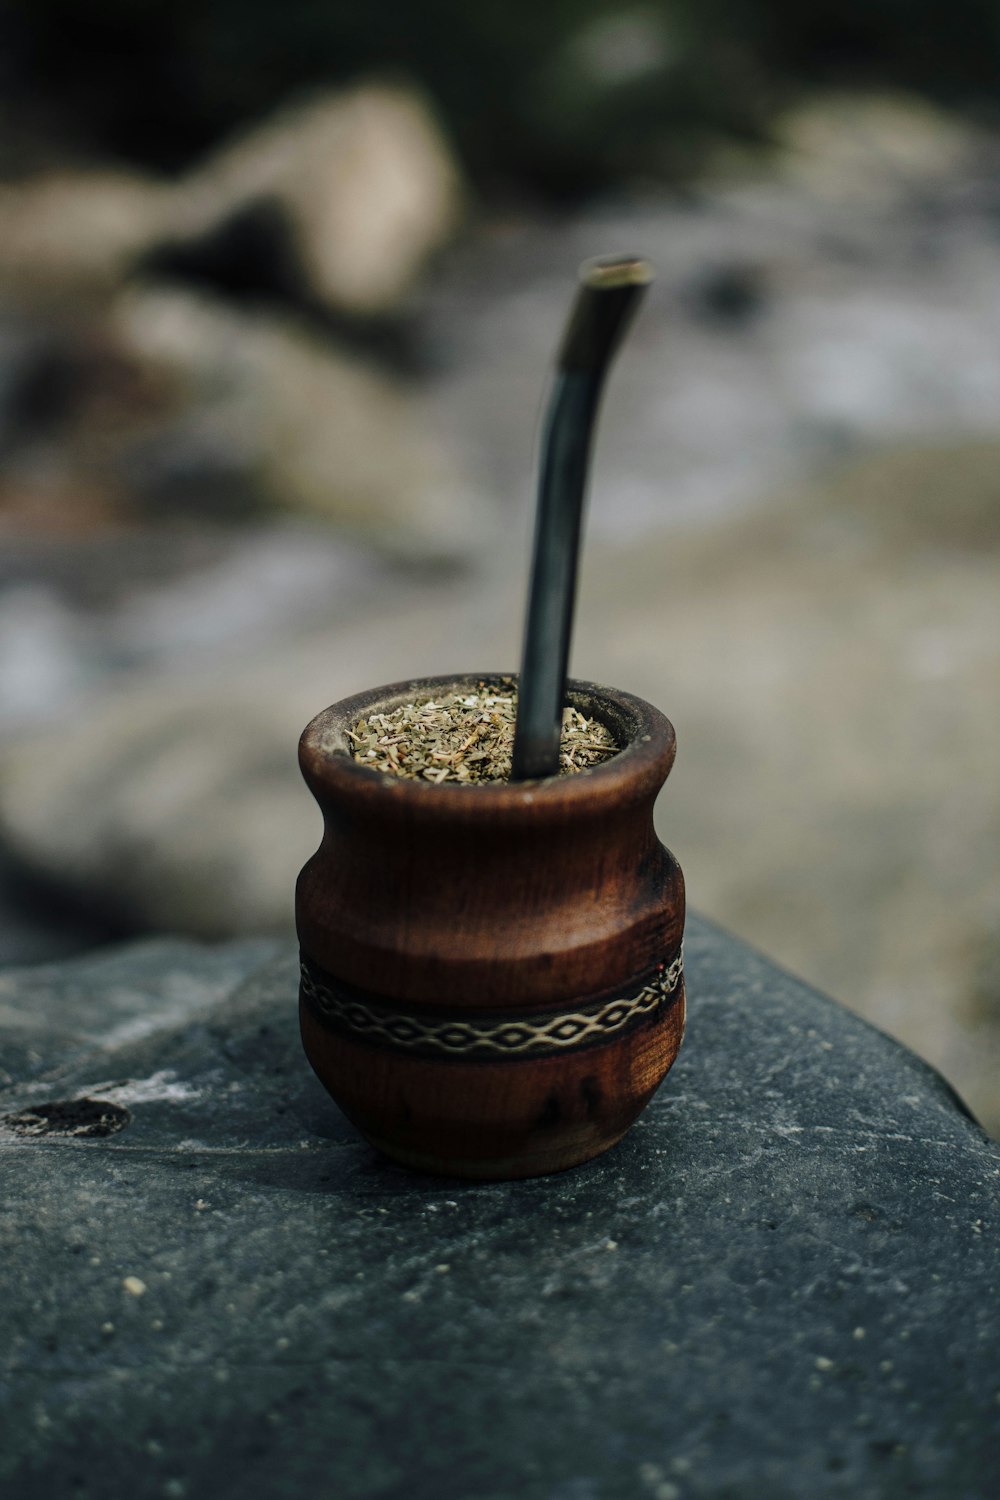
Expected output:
{"points": [[641, 766]]}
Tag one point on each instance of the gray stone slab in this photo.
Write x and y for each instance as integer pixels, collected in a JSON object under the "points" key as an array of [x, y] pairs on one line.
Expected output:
{"points": [[783, 1283]]}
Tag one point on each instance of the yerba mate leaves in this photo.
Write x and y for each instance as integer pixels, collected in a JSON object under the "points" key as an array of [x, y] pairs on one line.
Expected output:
{"points": [[467, 737]]}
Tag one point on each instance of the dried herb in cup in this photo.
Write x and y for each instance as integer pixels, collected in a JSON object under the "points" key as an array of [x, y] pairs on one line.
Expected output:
{"points": [[467, 738]]}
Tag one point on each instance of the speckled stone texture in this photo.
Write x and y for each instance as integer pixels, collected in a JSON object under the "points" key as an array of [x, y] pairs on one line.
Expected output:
{"points": [[785, 1282]]}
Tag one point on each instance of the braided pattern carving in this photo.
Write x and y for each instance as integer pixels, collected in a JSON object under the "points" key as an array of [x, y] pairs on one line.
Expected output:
{"points": [[463, 1035]]}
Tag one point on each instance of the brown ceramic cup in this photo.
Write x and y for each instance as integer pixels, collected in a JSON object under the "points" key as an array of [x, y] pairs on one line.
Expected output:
{"points": [[492, 979]]}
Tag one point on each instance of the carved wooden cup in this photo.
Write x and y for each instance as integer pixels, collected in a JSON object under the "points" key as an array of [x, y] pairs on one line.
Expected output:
{"points": [[492, 977]]}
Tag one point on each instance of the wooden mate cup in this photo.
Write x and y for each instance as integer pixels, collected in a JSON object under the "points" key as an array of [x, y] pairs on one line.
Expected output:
{"points": [[492, 982]]}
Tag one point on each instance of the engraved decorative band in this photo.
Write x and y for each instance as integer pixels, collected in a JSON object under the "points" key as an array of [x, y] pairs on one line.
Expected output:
{"points": [[465, 1036]]}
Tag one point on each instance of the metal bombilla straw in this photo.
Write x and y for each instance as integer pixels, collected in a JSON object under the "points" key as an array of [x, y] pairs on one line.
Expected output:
{"points": [[606, 300]]}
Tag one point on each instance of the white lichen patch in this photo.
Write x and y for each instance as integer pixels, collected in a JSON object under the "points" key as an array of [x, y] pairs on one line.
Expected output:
{"points": [[162, 1087], [467, 738]]}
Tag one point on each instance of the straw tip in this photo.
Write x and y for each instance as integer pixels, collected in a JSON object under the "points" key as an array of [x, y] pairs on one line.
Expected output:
{"points": [[606, 273]]}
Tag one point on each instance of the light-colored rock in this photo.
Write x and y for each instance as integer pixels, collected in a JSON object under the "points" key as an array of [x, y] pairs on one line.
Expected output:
{"points": [[180, 803], [865, 146], [832, 670], [307, 426], [363, 178], [73, 233], [367, 183]]}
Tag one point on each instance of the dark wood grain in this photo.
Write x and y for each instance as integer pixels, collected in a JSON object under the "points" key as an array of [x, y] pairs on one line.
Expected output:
{"points": [[432, 909]]}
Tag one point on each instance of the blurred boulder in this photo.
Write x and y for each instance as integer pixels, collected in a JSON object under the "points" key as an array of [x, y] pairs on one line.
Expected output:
{"points": [[872, 146], [274, 416], [169, 403], [339, 201], [69, 234], [167, 819], [178, 805], [151, 391]]}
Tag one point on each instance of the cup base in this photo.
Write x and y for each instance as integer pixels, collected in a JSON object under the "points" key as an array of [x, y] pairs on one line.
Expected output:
{"points": [[491, 1121], [501, 1169]]}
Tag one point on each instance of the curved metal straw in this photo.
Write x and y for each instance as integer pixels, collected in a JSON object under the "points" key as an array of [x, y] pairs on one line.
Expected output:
{"points": [[609, 292]]}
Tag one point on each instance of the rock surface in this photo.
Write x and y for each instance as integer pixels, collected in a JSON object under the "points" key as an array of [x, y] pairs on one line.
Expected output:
{"points": [[785, 1280]]}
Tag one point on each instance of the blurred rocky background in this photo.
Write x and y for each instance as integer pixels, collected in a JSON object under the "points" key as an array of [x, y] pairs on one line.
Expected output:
{"points": [[278, 292]]}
